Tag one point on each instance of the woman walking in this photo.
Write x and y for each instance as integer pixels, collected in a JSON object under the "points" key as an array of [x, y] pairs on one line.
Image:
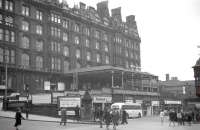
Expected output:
{"points": [[18, 117]]}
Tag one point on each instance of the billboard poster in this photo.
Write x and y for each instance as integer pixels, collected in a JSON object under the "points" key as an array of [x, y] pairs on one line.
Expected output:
{"points": [[41, 98], [69, 101]]}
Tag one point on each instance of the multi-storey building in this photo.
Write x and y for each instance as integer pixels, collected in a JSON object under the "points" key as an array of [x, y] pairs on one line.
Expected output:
{"points": [[52, 47]]}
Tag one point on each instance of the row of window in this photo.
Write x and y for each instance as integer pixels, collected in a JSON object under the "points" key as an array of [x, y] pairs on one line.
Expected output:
{"points": [[57, 19], [55, 46], [128, 64], [126, 43], [25, 61], [7, 56], [26, 12], [7, 35], [25, 43], [8, 5], [26, 27]]}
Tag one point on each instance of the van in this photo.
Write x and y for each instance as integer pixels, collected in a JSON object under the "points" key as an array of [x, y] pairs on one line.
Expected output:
{"points": [[132, 109]]}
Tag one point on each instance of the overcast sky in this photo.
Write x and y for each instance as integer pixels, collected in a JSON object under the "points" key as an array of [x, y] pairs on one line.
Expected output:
{"points": [[169, 31]]}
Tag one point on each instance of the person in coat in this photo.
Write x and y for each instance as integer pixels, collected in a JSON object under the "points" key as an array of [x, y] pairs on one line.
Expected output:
{"points": [[77, 113], [124, 117], [115, 118], [18, 117], [63, 116], [107, 118]]}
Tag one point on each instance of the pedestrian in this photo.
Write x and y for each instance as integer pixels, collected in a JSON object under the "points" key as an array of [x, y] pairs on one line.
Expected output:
{"points": [[124, 117], [183, 117], [172, 117], [27, 109], [77, 113], [18, 117], [189, 118], [179, 118], [100, 117], [107, 118], [63, 116], [115, 118], [162, 114]]}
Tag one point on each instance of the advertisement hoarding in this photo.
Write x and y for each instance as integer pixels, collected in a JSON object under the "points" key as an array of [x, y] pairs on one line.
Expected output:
{"points": [[69, 101]]}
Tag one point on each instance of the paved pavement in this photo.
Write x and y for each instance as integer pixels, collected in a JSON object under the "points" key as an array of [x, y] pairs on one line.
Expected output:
{"points": [[10, 114], [144, 123]]}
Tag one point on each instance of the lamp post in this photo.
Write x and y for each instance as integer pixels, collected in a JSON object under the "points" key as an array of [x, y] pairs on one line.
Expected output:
{"points": [[112, 85], [6, 83], [123, 86], [5, 96], [132, 69]]}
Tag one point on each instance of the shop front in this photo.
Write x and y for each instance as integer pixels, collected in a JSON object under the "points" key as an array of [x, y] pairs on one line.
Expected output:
{"points": [[155, 107], [101, 102]]}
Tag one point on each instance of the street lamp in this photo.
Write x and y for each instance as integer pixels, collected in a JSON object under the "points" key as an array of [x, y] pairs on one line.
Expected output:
{"points": [[123, 86], [6, 84], [112, 85], [132, 69]]}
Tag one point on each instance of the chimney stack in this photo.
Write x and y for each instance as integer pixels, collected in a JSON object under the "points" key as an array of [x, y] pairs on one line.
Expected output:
{"points": [[167, 77]]}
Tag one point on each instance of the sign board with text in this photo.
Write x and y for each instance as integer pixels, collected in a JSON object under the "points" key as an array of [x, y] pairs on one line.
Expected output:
{"points": [[102, 99], [69, 101]]}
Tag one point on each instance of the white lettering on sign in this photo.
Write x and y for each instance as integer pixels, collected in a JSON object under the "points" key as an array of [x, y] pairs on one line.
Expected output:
{"points": [[172, 102], [155, 103], [69, 101], [102, 99]]}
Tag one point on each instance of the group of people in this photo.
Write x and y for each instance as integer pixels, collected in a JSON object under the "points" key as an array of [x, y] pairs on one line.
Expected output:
{"points": [[111, 116], [178, 116]]}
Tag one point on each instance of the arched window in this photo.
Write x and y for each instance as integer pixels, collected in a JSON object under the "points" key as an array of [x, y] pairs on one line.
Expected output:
{"points": [[66, 51], [76, 40], [88, 56], [25, 60], [25, 42], [25, 26], [39, 62], [98, 58], [66, 66], [107, 60], [78, 53], [65, 37], [78, 65]]}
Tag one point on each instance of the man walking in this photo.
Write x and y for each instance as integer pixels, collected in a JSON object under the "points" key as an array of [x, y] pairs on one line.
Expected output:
{"points": [[115, 118], [63, 116], [18, 117], [77, 113], [124, 117], [172, 117]]}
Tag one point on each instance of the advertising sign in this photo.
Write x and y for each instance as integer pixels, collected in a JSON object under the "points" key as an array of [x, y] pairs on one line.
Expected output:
{"points": [[155, 103], [172, 102], [102, 99], [55, 96], [46, 85], [61, 86], [41, 98], [69, 101]]}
